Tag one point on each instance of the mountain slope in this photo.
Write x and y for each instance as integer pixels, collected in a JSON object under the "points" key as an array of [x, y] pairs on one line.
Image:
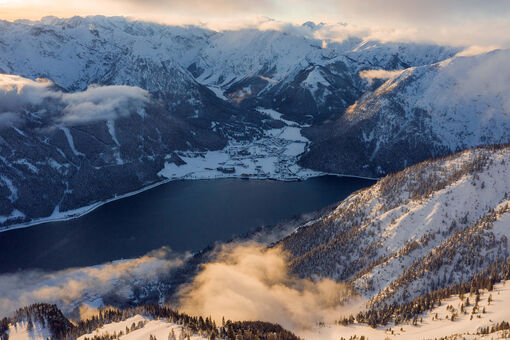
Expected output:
{"points": [[81, 137], [431, 225], [41, 321], [121, 98], [423, 112], [305, 78], [484, 319]]}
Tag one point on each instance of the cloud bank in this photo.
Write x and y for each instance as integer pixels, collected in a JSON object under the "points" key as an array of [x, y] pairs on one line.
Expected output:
{"points": [[70, 288], [252, 282], [94, 104], [245, 281], [16, 91], [102, 103], [370, 75], [458, 22]]}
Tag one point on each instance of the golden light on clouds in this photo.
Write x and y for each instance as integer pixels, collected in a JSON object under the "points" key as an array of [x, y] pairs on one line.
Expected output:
{"points": [[459, 22], [36, 9]]}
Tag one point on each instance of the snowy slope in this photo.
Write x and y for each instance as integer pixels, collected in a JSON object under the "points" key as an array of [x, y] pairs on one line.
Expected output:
{"points": [[431, 225], [423, 112], [21, 331], [465, 326], [305, 78], [159, 328], [204, 90], [41, 321]]}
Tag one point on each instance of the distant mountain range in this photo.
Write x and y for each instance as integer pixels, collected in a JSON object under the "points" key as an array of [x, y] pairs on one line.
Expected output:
{"points": [[122, 98]]}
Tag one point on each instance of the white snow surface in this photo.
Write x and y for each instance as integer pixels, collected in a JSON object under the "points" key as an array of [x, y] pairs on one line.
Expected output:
{"points": [[432, 328], [159, 328], [313, 80], [20, 331], [460, 102], [70, 141], [273, 156]]}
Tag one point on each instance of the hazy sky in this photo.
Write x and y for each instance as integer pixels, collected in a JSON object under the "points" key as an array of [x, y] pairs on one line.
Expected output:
{"points": [[480, 22]]}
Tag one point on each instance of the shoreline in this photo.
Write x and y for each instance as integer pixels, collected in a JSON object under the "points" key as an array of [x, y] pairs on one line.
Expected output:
{"points": [[82, 211]]}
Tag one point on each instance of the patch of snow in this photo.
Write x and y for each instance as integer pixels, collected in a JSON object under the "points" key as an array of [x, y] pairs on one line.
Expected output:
{"points": [[276, 116], [111, 129], [70, 141], [20, 331], [14, 191], [15, 214], [218, 92], [313, 80], [159, 328], [433, 328], [29, 165]]}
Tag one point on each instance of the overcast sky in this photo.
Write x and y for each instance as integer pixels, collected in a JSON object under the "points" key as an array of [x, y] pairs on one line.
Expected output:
{"points": [[466, 22]]}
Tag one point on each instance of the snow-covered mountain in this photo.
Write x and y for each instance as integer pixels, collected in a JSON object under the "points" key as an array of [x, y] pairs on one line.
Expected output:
{"points": [[121, 97], [43, 321], [432, 225], [291, 72], [486, 318], [115, 107], [304, 78], [420, 113]]}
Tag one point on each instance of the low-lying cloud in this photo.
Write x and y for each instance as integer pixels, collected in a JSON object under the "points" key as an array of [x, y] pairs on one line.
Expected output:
{"points": [[16, 91], [93, 104], [102, 103], [246, 281], [9, 119], [252, 282], [70, 288], [370, 75]]}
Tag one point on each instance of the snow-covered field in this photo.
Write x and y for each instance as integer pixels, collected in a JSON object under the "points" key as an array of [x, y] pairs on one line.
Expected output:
{"points": [[143, 329], [273, 156], [160, 329], [21, 331], [437, 322]]}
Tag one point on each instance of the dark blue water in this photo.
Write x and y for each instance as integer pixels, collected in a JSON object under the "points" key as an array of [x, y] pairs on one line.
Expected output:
{"points": [[183, 215]]}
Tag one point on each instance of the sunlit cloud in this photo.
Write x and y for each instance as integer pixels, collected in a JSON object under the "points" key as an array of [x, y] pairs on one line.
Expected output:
{"points": [[459, 22], [370, 75], [72, 287], [251, 282]]}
